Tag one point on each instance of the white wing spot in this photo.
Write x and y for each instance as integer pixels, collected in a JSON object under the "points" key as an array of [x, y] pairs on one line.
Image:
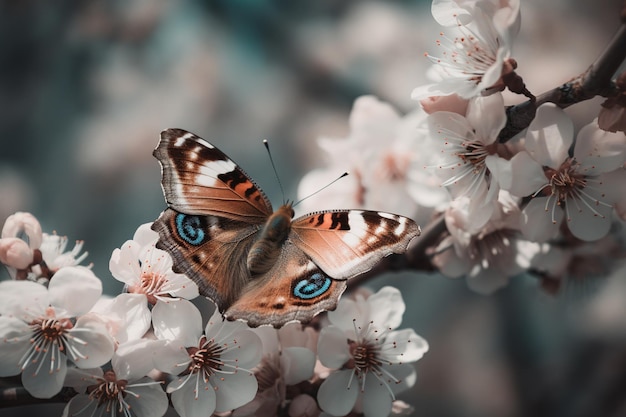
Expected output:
{"points": [[180, 141], [382, 227], [351, 240], [358, 229], [399, 230], [387, 215], [205, 180], [214, 168]]}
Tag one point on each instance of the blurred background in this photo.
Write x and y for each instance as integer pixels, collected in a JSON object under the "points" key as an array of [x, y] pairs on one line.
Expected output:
{"points": [[87, 86]]}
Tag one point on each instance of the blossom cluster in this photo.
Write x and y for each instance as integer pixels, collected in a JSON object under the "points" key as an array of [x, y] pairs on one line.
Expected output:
{"points": [[536, 201], [134, 353]]}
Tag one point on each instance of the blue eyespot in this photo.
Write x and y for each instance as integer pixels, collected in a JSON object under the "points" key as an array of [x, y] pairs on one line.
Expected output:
{"points": [[190, 228], [316, 285]]}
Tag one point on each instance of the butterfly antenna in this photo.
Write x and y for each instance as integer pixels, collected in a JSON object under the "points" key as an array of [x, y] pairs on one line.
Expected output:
{"points": [[345, 174], [267, 147]]}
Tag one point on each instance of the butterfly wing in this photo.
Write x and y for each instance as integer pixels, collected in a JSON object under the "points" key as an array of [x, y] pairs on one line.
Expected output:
{"points": [[346, 243], [197, 178], [210, 250], [294, 289]]}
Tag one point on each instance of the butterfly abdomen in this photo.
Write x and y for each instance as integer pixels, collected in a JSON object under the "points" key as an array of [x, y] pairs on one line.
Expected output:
{"points": [[266, 249]]}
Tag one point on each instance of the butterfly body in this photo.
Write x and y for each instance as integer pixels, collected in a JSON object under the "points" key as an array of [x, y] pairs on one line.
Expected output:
{"points": [[265, 251], [260, 265]]}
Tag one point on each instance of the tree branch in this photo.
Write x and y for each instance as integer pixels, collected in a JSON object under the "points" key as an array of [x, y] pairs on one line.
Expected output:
{"points": [[596, 80]]}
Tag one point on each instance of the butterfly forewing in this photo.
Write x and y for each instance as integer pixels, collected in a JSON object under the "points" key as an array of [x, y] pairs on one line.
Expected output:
{"points": [[346, 243], [198, 178]]}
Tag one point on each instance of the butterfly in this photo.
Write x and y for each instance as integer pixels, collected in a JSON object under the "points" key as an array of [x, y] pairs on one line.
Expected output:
{"points": [[259, 265]]}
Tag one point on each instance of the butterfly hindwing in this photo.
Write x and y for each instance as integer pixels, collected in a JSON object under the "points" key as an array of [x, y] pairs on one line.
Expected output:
{"points": [[198, 178], [210, 250], [295, 289], [346, 243]]}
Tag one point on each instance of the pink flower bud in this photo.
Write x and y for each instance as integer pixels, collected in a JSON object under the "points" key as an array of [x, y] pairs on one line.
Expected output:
{"points": [[451, 103], [15, 253], [22, 222]]}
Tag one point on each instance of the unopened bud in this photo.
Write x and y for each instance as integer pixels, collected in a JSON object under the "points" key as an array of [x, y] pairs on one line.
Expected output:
{"points": [[452, 103], [14, 252], [22, 222]]}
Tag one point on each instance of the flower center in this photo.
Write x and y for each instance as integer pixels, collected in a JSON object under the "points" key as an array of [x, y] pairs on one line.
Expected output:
{"points": [[206, 358], [108, 391], [48, 332], [566, 181], [365, 356], [150, 284], [268, 373], [475, 154]]}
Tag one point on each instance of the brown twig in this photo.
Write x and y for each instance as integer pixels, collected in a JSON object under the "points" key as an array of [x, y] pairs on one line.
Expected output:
{"points": [[596, 80]]}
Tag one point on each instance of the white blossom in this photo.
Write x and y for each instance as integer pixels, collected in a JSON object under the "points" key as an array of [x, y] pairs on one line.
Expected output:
{"points": [[371, 358], [40, 328]]}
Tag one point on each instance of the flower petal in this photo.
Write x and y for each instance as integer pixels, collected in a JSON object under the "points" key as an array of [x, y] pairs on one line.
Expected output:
{"points": [[386, 307], [599, 151], [244, 350], [234, 390], [145, 236], [332, 347], [133, 313], [588, 220], [74, 290], [297, 364], [540, 223], [177, 320], [521, 176], [14, 343], [24, 300], [222, 330], [171, 357], [80, 404], [449, 13], [80, 379], [148, 401], [376, 397], [191, 403], [347, 314], [134, 359], [487, 116], [91, 341], [407, 346], [44, 382], [338, 393], [549, 136], [181, 286], [124, 264]]}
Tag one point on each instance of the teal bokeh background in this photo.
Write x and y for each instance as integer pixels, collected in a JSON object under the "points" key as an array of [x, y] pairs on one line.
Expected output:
{"points": [[86, 87]]}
